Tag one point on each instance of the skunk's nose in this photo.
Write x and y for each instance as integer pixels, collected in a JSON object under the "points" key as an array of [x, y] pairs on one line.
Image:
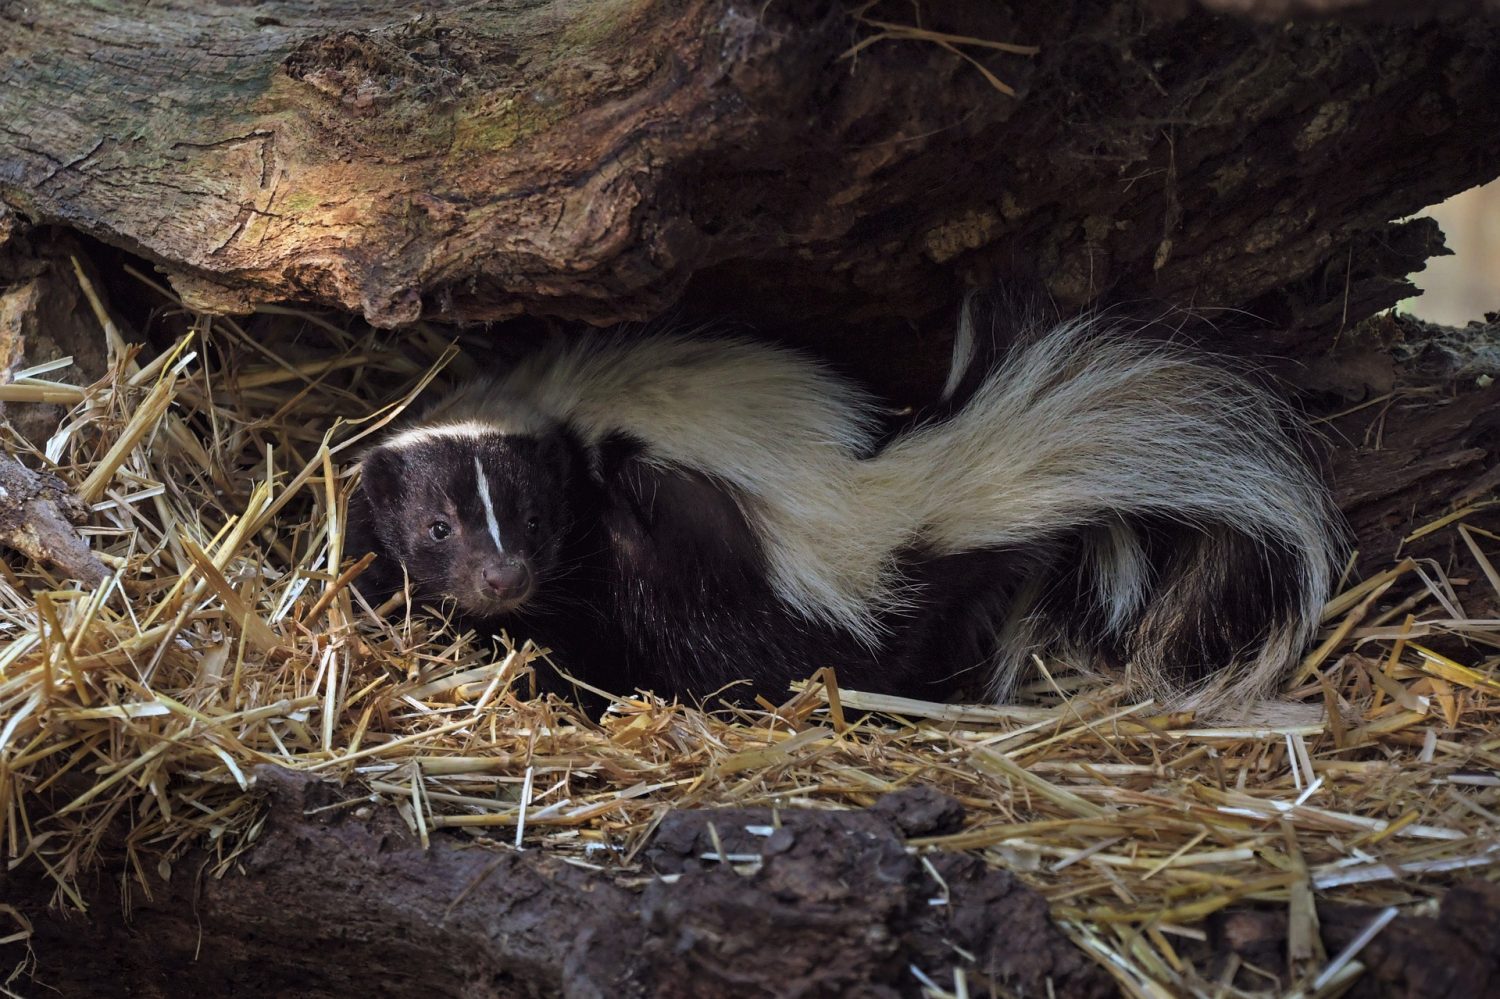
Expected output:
{"points": [[510, 580]]}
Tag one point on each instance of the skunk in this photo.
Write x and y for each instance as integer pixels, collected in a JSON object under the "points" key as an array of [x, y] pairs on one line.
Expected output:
{"points": [[685, 513]]}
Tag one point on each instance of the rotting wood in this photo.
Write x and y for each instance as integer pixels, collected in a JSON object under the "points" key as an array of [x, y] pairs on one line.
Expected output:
{"points": [[1454, 953], [594, 159], [37, 514], [834, 906]]}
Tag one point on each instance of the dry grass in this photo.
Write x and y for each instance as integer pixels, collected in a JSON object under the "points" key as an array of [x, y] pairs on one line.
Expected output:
{"points": [[226, 638], [890, 31]]}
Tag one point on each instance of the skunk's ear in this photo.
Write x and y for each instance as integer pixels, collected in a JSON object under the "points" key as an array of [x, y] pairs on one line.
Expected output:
{"points": [[611, 456], [382, 479], [593, 463]]}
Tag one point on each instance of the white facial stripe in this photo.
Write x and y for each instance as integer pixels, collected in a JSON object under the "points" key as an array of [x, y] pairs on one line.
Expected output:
{"points": [[513, 419], [489, 508], [421, 435]]}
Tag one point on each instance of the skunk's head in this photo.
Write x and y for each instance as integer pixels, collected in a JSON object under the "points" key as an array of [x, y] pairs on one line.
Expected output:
{"points": [[470, 514]]}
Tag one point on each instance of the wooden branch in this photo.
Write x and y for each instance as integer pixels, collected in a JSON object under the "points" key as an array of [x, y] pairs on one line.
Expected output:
{"points": [[37, 513], [594, 159]]}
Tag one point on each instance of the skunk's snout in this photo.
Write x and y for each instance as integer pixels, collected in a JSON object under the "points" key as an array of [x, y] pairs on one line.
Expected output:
{"points": [[510, 580]]}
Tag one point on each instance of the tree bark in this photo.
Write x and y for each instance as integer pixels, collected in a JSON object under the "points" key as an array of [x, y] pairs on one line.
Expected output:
{"points": [[406, 159], [341, 902], [37, 514], [1454, 955], [335, 900]]}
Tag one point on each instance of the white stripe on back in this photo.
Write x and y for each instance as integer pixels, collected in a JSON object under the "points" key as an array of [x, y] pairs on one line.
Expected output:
{"points": [[489, 508]]}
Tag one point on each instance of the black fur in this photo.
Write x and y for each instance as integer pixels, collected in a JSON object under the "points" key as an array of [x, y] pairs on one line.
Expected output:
{"points": [[650, 577]]}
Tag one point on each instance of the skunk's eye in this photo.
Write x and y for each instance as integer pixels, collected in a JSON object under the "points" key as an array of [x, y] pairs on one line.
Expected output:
{"points": [[532, 524], [439, 530]]}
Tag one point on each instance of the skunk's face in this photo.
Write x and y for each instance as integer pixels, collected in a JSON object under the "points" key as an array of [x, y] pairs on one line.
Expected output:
{"points": [[478, 518]]}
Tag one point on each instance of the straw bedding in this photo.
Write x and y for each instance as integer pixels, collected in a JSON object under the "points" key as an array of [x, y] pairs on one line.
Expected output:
{"points": [[226, 636]]}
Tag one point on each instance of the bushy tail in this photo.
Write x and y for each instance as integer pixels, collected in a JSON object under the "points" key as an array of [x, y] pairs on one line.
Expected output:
{"points": [[1187, 533]]}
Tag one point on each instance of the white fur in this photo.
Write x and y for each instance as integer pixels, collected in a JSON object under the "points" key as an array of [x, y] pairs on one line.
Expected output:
{"points": [[782, 430], [1122, 575], [965, 345], [1079, 427], [1085, 425], [489, 507], [508, 419]]}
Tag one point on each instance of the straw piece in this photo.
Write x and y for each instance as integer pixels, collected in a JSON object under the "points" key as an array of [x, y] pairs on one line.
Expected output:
{"points": [[144, 419], [997, 763]]}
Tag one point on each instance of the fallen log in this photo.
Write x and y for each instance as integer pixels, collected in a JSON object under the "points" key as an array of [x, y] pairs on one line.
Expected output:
{"points": [[595, 161], [335, 899]]}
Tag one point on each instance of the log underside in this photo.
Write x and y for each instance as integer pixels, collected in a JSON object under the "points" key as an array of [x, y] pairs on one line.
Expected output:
{"points": [[598, 159]]}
